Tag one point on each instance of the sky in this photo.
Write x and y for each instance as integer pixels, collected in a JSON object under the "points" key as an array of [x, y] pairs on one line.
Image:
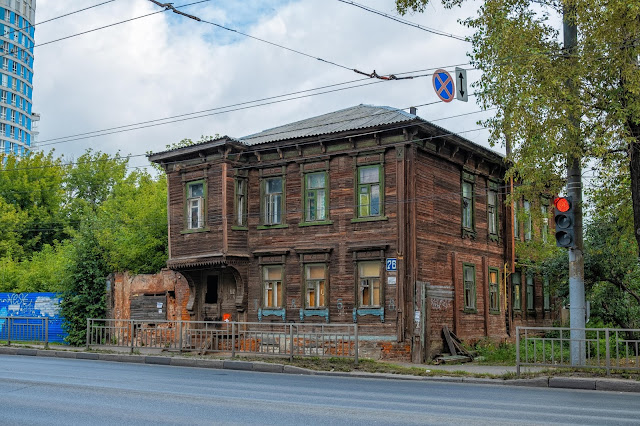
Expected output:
{"points": [[166, 65]]}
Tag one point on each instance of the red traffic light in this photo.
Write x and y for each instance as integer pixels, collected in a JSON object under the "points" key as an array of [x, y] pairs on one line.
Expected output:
{"points": [[562, 204]]}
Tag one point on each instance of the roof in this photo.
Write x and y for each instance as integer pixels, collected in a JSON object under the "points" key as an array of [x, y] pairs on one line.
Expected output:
{"points": [[344, 120], [354, 118]]}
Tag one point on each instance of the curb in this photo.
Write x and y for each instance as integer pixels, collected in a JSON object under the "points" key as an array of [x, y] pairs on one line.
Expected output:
{"points": [[598, 384]]}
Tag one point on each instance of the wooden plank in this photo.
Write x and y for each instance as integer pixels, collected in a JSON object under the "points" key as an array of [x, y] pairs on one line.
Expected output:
{"points": [[449, 340]]}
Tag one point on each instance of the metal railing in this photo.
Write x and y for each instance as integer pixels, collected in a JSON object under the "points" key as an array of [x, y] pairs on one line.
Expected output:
{"points": [[25, 329], [246, 338], [604, 348]]}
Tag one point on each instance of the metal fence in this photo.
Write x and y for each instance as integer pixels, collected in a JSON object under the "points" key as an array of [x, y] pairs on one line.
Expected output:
{"points": [[604, 348], [245, 338], [25, 329]]}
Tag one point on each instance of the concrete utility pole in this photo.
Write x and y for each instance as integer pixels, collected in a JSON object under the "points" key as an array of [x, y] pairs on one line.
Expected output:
{"points": [[574, 189]]}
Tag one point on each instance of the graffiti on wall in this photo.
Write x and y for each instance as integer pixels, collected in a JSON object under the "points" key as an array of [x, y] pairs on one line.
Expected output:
{"points": [[39, 305]]}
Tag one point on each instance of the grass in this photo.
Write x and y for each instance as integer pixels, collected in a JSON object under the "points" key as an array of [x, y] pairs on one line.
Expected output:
{"points": [[493, 354]]}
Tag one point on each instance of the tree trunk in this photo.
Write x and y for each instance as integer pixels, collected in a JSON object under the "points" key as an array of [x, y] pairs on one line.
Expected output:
{"points": [[634, 163]]}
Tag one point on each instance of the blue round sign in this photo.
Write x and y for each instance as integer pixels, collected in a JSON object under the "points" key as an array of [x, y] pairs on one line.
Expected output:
{"points": [[443, 85]]}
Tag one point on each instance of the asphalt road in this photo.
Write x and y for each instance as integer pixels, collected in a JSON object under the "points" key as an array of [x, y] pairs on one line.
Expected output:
{"points": [[63, 391]]}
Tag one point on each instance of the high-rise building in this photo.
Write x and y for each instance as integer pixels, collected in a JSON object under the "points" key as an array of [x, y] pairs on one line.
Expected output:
{"points": [[16, 74]]}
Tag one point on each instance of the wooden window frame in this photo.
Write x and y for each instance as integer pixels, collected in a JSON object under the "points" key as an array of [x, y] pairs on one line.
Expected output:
{"points": [[203, 202], [306, 192], [468, 203], [516, 295], [360, 287], [240, 212], [306, 286], [494, 290], [282, 287], [264, 224], [530, 286], [381, 189], [470, 289], [493, 212]]}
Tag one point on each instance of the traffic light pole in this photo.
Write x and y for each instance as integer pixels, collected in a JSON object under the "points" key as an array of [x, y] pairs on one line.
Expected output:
{"points": [[577, 313]]}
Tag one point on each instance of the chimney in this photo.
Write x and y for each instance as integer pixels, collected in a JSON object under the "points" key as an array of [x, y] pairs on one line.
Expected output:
{"points": [[413, 110]]}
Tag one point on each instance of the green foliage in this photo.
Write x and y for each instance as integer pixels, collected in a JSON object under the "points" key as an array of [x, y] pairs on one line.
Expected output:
{"points": [[90, 181], [133, 224], [44, 203], [536, 88], [46, 271], [31, 194], [85, 292]]}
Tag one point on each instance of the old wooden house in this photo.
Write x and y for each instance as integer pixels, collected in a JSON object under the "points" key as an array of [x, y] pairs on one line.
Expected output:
{"points": [[368, 214]]}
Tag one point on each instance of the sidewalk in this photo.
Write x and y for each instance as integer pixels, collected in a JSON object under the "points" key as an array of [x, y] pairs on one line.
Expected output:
{"points": [[584, 383]]}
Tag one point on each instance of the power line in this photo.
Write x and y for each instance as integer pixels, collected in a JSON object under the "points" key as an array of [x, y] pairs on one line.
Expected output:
{"points": [[404, 21], [217, 110], [16, 169], [114, 24]]}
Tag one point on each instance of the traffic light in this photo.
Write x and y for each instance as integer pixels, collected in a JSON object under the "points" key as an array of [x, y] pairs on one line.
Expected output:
{"points": [[564, 219]]}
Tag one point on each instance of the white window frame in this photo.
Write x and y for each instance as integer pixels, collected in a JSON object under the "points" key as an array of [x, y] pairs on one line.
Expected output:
{"points": [[195, 203], [275, 299], [317, 286], [369, 282]]}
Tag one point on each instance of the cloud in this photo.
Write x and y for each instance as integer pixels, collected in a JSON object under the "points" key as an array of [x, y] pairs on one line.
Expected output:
{"points": [[165, 65]]}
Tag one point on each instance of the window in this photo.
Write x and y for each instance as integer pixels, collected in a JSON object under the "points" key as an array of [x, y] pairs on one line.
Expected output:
{"points": [[369, 278], [315, 285], [273, 201], [494, 290], [527, 220], [546, 294], [14, 66], [315, 197], [3, 97], [492, 213], [544, 229], [468, 220], [517, 297], [195, 205], [469, 278], [369, 185], [7, 15], [272, 282], [241, 202], [5, 63], [530, 293]]}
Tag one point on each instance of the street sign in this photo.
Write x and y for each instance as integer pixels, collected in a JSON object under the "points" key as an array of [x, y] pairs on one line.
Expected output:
{"points": [[443, 85], [462, 94], [392, 264]]}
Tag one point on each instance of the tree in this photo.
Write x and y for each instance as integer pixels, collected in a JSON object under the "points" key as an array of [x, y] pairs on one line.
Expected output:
{"points": [[132, 224], [86, 290], [524, 70], [90, 181], [32, 187]]}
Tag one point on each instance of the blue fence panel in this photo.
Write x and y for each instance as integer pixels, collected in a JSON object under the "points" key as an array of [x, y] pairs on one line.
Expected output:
{"points": [[33, 305]]}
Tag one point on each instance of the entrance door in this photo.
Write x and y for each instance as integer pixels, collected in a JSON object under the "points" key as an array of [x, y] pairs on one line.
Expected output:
{"points": [[227, 297]]}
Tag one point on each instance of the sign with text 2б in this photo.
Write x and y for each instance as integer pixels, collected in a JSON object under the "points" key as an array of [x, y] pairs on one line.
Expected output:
{"points": [[392, 264]]}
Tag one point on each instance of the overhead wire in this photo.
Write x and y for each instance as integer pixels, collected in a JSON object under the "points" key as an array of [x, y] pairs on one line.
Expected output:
{"points": [[16, 169], [405, 22], [217, 110]]}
